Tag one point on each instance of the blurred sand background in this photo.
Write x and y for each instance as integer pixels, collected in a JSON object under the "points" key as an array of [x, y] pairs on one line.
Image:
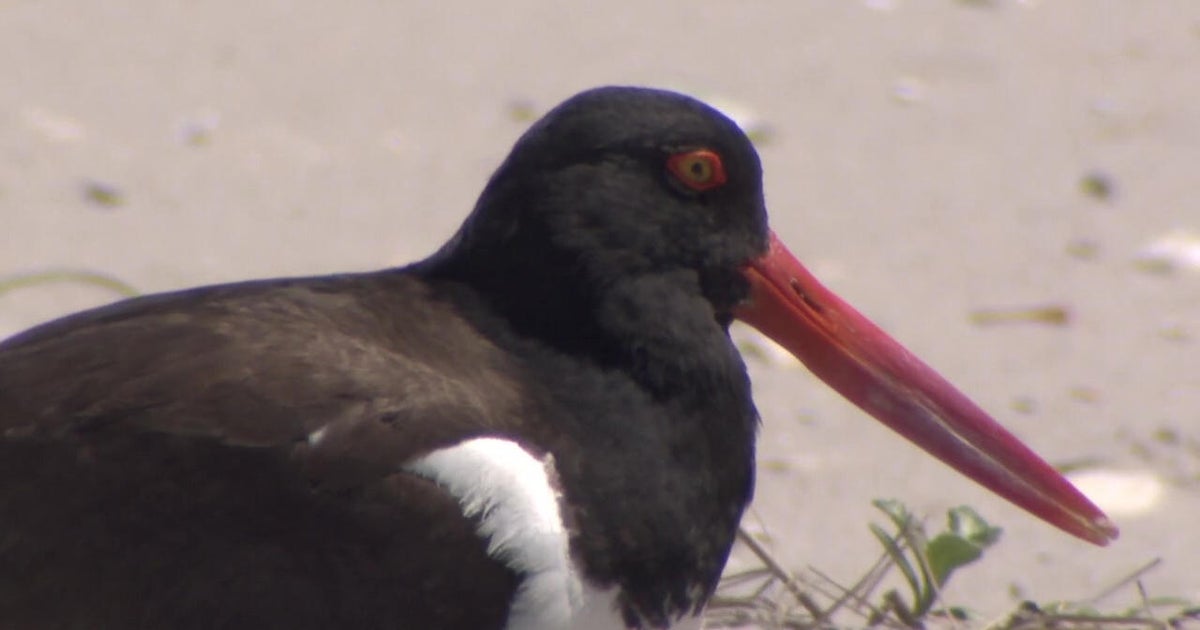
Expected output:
{"points": [[928, 159]]}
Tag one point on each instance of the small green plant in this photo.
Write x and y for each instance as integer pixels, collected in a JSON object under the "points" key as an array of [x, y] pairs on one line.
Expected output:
{"points": [[770, 597], [927, 563]]}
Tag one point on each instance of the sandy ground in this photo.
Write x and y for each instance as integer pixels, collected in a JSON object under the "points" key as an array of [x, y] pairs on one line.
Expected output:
{"points": [[925, 158]]}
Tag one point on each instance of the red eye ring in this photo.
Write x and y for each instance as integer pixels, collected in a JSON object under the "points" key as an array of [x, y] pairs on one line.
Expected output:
{"points": [[699, 169]]}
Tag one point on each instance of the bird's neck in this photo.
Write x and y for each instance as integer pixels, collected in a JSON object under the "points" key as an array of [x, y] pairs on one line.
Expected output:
{"points": [[643, 357]]}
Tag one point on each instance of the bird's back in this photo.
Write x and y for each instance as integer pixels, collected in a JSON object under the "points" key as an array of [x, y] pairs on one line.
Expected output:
{"points": [[228, 457]]}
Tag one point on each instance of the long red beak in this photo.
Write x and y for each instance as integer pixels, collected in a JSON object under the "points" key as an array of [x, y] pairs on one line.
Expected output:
{"points": [[876, 373]]}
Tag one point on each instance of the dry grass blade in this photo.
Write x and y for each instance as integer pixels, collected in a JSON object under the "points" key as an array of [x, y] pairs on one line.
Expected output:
{"points": [[1124, 582], [772, 598], [77, 276], [1030, 617]]}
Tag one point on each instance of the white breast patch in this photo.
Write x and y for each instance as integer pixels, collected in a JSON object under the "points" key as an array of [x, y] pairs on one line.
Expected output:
{"points": [[509, 492]]}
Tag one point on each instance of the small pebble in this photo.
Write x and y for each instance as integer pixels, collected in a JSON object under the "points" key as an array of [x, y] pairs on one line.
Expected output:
{"points": [[103, 194], [1098, 185]]}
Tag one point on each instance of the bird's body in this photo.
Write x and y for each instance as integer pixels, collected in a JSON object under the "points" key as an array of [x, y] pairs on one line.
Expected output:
{"points": [[130, 405], [546, 420]]}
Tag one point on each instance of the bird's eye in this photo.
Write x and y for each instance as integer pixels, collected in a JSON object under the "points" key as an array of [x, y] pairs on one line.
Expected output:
{"points": [[699, 169]]}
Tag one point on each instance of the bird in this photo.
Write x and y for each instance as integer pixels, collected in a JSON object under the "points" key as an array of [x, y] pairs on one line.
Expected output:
{"points": [[543, 424]]}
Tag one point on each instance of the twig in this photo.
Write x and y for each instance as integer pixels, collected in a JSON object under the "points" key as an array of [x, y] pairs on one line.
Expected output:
{"points": [[781, 574], [1126, 581]]}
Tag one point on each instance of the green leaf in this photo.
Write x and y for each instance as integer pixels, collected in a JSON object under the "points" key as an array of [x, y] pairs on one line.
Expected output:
{"points": [[967, 523], [892, 547], [895, 510], [947, 552], [967, 535]]}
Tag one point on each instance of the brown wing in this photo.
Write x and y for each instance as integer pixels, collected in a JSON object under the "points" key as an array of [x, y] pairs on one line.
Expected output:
{"points": [[228, 458]]}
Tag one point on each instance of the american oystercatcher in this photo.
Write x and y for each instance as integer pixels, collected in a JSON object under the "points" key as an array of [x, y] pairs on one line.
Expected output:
{"points": [[542, 425]]}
